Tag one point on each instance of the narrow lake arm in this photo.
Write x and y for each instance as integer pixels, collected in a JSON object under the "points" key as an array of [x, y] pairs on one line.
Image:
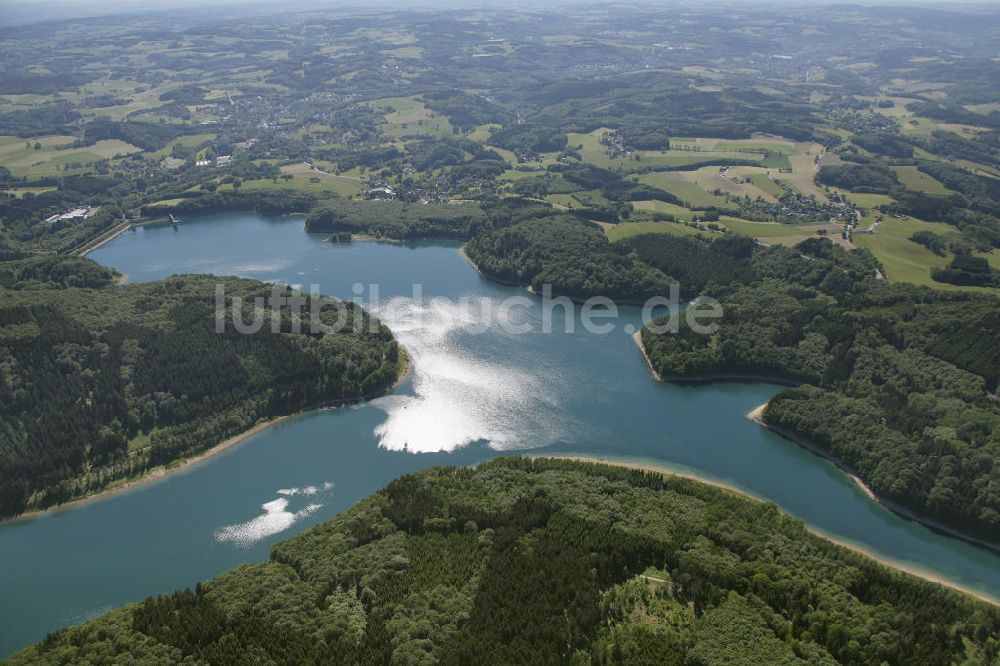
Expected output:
{"points": [[607, 552], [874, 382]]}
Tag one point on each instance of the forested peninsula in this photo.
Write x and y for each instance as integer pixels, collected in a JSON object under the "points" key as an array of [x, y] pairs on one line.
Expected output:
{"points": [[100, 382], [540, 561], [897, 382]]}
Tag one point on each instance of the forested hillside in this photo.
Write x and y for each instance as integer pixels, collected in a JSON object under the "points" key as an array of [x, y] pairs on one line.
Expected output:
{"points": [[100, 382], [544, 562], [899, 382], [395, 219], [570, 254]]}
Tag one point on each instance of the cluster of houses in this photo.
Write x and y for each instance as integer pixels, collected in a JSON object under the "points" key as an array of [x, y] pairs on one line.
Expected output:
{"points": [[852, 226], [808, 208], [425, 191], [379, 189], [220, 161], [863, 121], [135, 168], [614, 144], [225, 160], [245, 145]]}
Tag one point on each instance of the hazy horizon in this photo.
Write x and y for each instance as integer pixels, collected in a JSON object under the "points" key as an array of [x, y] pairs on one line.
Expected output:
{"points": [[34, 11]]}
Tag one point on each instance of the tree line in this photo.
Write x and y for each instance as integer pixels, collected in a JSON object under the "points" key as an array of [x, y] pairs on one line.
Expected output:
{"points": [[535, 561], [897, 381], [99, 382]]}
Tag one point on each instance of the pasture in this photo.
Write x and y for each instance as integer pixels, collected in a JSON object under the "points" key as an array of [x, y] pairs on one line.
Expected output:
{"points": [[678, 212], [918, 181], [302, 178], [188, 141], [20, 192], [405, 117], [804, 170], [594, 152], [768, 231], [919, 126], [868, 201], [904, 260], [563, 200], [616, 232], [766, 184], [681, 184], [56, 156]]}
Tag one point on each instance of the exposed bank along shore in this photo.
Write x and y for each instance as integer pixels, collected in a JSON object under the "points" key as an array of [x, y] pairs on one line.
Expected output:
{"points": [[893, 564], [757, 416], [182, 464]]}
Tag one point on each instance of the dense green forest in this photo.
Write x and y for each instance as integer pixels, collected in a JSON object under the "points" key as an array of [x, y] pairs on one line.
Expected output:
{"points": [[859, 178], [693, 261], [536, 134], [546, 561], [966, 270], [535, 246], [395, 219], [570, 254], [898, 381], [100, 382]]}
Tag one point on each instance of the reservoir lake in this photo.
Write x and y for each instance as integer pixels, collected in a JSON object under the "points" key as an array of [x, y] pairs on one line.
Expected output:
{"points": [[475, 391]]}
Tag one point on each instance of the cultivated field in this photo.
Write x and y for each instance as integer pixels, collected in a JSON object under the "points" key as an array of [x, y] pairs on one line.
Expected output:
{"points": [[55, 155]]}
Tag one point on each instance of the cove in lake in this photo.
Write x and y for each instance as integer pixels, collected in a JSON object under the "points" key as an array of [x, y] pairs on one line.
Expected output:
{"points": [[469, 397]]}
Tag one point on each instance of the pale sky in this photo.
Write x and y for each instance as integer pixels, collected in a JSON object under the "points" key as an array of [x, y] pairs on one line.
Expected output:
{"points": [[22, 11]]}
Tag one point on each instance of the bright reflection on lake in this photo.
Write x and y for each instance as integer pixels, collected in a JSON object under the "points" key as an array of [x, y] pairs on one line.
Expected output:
{"points": [[470, 396]]}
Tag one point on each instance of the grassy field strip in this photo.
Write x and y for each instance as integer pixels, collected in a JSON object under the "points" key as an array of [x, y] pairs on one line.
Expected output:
{"points": [[14, 147], [563, 200], [868, 200], [906, 261], [616, 232], [915, 125], [804, 169], [303, 178], [49, 161], [766, 184], [678, 212], [188, 141], [918, 181], [406, 116], [680, 185], [767, 229], [21, 191], [593, 151], [771, 233], [711, 180]]}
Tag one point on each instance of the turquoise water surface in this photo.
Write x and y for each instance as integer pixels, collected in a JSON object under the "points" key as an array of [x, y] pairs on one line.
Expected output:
{"points": [[476, 391]]}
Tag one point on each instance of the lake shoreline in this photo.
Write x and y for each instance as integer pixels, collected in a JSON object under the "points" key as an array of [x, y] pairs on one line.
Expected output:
{"points": [[757, 416], [102, 239], [153, 474], [483, 275], [707, 379], [182, 464], [637, 337], [531, 290], [666, 469]]}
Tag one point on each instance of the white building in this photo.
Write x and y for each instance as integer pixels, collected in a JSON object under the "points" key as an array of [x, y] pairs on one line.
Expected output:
{"points": [[74, 214]]}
